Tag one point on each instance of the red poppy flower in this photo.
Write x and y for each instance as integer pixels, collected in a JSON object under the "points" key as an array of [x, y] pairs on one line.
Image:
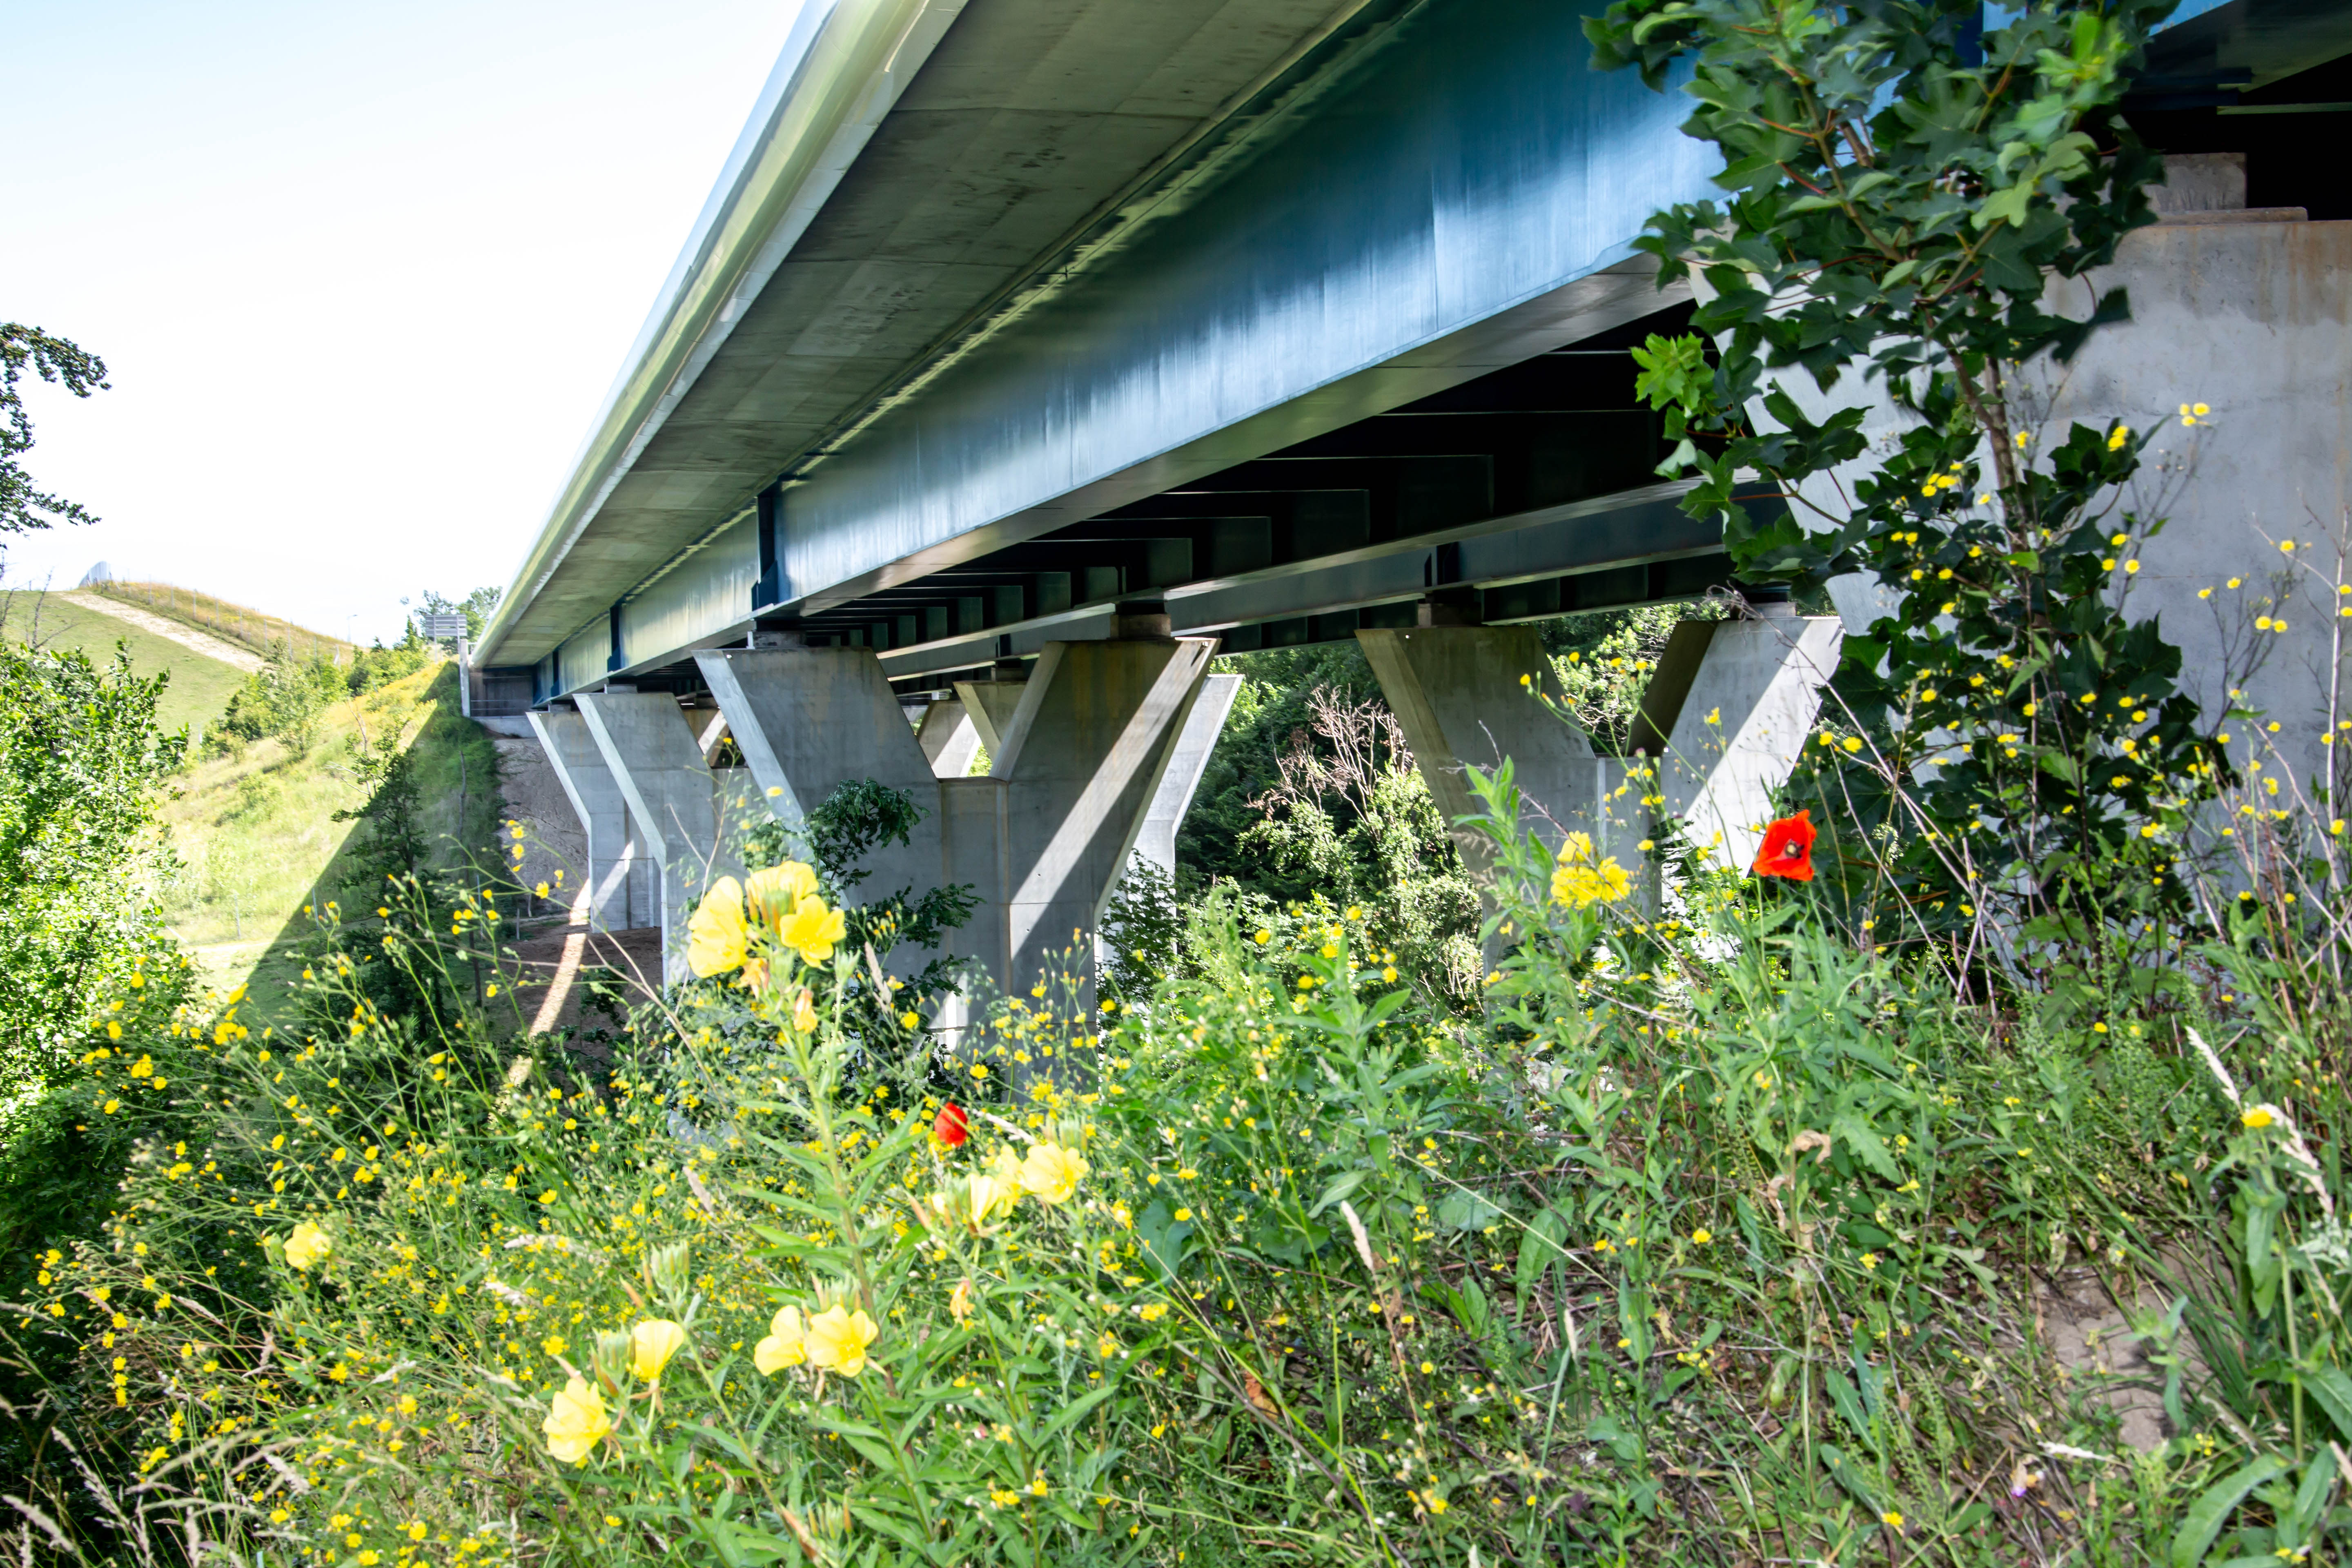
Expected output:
{"points": [[1787, 849], [951, 1128]]}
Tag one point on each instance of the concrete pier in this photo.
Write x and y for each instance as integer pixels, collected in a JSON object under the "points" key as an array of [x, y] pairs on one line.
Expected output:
{"points": [[1155, 842], [948, 738], [809, 720], [656, 758], [616, 889], [1457, 692], [1080, 758], [1741, 726]]}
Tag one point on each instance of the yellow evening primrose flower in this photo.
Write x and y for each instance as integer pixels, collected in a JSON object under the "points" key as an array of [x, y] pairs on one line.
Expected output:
{"points": [[775, 892], [982, 1198], [575, 1423], [804, 1013], [307, 1246], [812, 930], [2258, 1118], [786, 1344], [715, 936], [837, 1339], [651, 1345], [960, 1301], [1052, 1172]]}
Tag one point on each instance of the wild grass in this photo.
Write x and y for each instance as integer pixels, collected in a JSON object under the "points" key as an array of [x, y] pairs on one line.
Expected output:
{"points": [[254, 630], [1719, 1239]]}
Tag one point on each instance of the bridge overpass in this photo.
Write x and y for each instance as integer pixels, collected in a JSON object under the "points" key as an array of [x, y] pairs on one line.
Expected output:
{"points": [[1028, 351]]}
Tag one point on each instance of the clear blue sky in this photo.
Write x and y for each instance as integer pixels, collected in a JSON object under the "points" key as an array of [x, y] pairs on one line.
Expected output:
{"points": [[361, 272]]}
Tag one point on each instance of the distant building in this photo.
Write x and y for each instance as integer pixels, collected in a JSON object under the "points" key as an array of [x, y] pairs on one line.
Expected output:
{"points": [[102, 573]]}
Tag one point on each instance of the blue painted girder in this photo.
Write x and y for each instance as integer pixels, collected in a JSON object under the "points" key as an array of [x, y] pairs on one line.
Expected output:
{"points": [[1464, 166]]}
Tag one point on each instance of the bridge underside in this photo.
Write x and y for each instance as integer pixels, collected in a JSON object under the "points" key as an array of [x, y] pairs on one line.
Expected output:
{"points": [[1524, 494], [1034, 350]]}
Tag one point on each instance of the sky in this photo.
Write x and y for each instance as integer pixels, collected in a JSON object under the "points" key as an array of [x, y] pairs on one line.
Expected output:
{"points": [[360, 273]]}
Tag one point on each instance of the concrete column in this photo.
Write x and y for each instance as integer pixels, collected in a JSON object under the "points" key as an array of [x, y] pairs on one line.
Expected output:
{"points": [[990, 705], [656, 760], [1187, 760], [948, 738], [809, 720], [616, 891], [1076, 765], [973, 817], [1082, 758], [1742, 724], [1456, 693]]}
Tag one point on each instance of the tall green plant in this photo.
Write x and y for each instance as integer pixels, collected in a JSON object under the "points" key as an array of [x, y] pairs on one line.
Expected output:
{"points": [[82, 761], [1903, 189]]}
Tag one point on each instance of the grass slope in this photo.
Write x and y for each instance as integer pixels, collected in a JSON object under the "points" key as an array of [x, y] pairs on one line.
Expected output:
{"points": [[239, 624], [257, 839], [199, 687]]}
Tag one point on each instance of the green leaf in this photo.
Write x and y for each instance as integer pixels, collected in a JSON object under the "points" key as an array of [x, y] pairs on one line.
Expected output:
{"points": [[1544, 1240], [1077, 1411], [2333, 1391], [1848, 1474], [2206, 1516], [1467, 1210], [1864, 1142], [1342, 1187], [1849, 1405]]}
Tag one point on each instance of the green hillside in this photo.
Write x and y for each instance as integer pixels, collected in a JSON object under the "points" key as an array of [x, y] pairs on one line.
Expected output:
{"points": [[257, 836], [199, 687], [253, 629]]}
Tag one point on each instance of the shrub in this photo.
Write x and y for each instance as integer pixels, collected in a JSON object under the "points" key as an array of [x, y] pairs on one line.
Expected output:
{"points": [[282, 700]]}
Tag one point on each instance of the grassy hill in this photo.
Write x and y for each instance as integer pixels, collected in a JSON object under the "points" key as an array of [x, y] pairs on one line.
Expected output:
{"points": [[255, 829], [199, 687], [257, 839], [247, 627]]}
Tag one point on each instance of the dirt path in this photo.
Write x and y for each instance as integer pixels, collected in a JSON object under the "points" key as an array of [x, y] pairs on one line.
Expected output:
{"points": [[186, 636]]}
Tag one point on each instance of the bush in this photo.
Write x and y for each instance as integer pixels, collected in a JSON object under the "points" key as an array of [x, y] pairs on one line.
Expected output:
{"points": [[281, 701]]}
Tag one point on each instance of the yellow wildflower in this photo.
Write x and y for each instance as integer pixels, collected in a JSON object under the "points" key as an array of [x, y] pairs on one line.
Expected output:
{"points": [[775, 893], [715, 935], [786, 1344], [812, 930], [307, 1246], [575, 1423], [1052, 1172], [1577, 881], [651, 1345], [837, 1339]]}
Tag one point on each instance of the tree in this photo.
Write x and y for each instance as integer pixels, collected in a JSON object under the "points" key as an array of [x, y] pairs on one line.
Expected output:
{"points": [[475, 606], [1903, 185], [23, 508]]}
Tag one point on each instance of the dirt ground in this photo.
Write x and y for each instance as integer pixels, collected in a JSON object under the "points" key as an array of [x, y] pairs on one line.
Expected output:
{"points": [[552, 839], [549, 972]]}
